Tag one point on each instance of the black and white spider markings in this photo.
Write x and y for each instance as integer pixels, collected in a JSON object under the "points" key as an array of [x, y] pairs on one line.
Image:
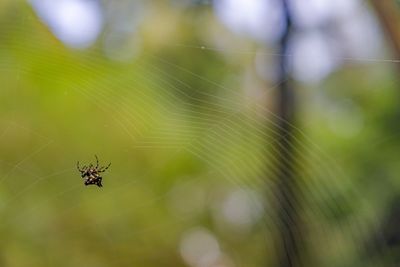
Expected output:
{"points": [[91, 173]]}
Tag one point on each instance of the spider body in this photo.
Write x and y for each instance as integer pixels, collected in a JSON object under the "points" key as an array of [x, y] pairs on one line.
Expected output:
{"points": [[91, 173]]}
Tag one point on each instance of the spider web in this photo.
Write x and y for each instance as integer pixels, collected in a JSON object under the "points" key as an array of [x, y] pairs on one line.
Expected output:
{"points": [[158, 124]]}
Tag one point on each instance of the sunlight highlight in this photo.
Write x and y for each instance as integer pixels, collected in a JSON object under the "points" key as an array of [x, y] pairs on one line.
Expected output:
{"points": [[199, 248]]}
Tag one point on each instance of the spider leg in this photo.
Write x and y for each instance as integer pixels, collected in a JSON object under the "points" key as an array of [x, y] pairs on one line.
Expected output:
{"points": [[77, 165], [97, 161], [81, 169], [103, 169], [98, 183]]}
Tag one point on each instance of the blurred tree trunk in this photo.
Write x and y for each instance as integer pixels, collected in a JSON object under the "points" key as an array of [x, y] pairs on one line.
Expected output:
{"points": [[389, 14], [286, 183]]}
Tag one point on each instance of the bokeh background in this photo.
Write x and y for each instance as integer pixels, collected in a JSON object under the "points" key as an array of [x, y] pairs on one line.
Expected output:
{"points": [[212, 163]]}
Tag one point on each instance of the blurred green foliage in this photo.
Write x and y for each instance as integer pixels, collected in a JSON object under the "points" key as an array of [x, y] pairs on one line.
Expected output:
{"points": [[190, 133]]}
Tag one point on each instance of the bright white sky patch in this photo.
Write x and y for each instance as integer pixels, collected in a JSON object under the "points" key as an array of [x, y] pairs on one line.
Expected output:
{"points": [[261, 19], [313, 57], [312, 13], [77, 23]]}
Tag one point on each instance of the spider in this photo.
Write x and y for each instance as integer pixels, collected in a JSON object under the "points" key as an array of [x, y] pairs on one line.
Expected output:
{"points": [[91, 173]]}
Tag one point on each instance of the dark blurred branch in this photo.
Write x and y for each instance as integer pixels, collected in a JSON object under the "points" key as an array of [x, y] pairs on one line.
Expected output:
{"points": [[389, 14], [286, 187]]}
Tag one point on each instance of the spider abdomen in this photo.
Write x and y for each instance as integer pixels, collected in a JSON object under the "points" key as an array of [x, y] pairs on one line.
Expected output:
{"points": [[91, 173]]}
